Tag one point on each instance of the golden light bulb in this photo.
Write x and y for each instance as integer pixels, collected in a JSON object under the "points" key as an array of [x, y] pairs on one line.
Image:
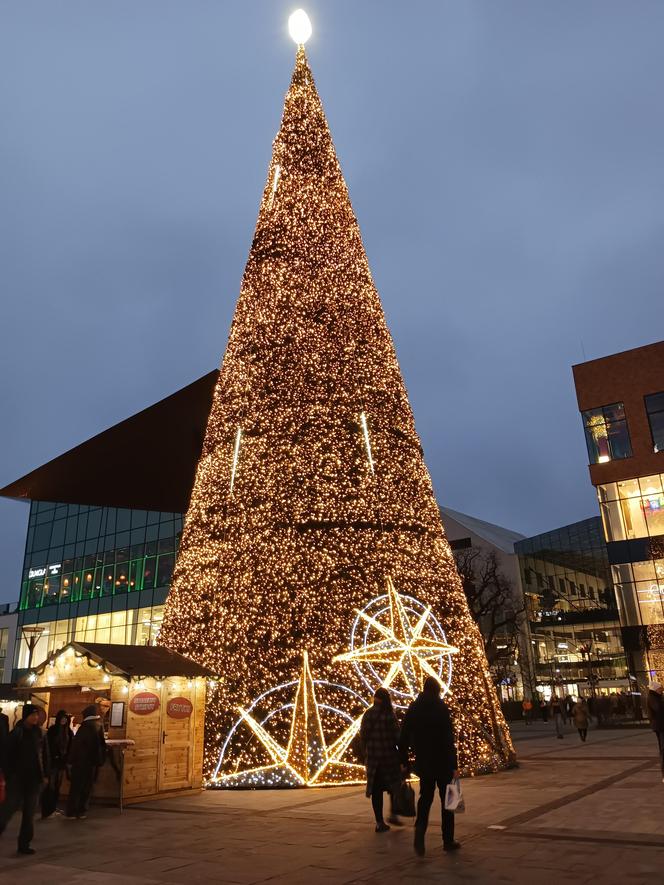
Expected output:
{"points": [[299, 26]]}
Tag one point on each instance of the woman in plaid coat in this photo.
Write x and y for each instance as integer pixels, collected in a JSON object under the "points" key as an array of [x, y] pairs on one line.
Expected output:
{"points": [[380, 734]]}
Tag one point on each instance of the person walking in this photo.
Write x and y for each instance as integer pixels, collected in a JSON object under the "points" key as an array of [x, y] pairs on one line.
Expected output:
{"points": [[25, 773], [427, 731], [527, 707], [557, 711], [86, 755], [379, 733], [58, 738], [655, 705], [580, 715]]}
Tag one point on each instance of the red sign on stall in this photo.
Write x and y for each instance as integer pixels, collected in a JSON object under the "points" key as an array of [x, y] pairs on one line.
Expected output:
{"points": [[143, 703], [179, 708]]}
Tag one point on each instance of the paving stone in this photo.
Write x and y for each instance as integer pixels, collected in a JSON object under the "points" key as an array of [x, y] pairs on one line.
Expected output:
{"points": [[559, 794]]}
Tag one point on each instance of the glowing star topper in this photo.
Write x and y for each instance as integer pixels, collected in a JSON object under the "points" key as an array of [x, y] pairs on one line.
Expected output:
{"points": [[305, 760], [299, 26], [404, 646]]}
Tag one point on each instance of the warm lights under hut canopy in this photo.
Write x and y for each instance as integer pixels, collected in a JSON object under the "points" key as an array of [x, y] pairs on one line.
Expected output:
{"points": [[313, 565], [130, 663]]}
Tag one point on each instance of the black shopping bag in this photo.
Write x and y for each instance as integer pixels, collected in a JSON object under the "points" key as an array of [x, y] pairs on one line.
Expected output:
{"points": [[403, 800]]}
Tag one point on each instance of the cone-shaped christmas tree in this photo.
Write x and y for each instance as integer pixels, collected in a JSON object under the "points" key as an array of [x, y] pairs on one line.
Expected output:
{"points": [[311, 490]]}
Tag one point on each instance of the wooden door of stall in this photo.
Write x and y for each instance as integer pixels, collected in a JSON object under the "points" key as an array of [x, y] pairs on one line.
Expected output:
{"points": [[177, 721]]}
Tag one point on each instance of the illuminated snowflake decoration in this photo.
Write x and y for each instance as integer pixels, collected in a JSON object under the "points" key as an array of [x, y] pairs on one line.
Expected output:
{"points": [[396, 641]]}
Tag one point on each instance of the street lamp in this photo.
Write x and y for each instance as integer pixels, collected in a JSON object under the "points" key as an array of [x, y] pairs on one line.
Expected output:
{"points": [[32, 635]]}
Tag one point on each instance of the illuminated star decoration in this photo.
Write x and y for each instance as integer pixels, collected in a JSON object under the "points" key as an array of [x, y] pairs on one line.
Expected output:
{"points": [[404, 648], [306, 760]]}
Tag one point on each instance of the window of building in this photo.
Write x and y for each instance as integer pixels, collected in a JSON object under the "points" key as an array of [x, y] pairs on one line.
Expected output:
{"points": [[99, 556], [607, 434], [461, 544], [633, 508], [4, 635], [641, 591], [655, 409]]}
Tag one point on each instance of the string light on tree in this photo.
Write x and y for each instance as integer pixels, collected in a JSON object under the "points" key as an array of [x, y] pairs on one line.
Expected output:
{"points": [[293, 527]]}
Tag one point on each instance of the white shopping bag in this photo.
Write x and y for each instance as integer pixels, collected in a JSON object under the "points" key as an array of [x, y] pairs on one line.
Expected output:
{"points": [[454, 800]]}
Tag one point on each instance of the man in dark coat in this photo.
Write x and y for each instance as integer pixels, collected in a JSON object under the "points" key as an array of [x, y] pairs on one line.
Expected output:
{"points": [[86, 756], [656, 716], [427, 730], [25, 773]]}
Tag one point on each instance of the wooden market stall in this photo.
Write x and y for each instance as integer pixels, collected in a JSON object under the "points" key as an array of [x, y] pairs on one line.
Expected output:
{"points": [[153, 704], [11, 702]]}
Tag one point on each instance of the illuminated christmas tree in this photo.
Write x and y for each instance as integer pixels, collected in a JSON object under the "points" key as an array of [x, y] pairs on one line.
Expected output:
{"points": [[311, 498]]}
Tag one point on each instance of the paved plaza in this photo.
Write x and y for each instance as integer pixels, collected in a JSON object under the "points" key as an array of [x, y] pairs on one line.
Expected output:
{"points": [[571, 812]]}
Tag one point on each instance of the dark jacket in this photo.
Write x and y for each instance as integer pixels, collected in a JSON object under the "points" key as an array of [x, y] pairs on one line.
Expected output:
{"points": [[427, 730], [88, 747], [25, 759], [4, 735], [656, 710], [380, 735], [59, 738]]}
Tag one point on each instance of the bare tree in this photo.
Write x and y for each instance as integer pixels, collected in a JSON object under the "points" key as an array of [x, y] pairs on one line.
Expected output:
{"points": [[495, 607]]}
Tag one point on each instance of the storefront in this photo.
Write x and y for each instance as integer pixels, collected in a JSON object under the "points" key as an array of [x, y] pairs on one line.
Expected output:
{"points": [[153, 705]]}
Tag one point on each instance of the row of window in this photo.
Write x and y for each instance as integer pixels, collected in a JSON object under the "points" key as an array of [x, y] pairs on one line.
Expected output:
{"points": [[640, 591], [633, 508], [607, 433], [125, 627], [564, 586], [88, 530], [104, 575]]}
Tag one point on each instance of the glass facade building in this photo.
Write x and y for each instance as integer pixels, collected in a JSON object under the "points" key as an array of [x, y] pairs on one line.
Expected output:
{"points": [[95, 574], [626, 445], [572, 611]]}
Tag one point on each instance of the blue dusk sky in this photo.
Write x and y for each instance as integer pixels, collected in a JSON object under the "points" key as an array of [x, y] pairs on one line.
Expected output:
{"points": [[505, 161]]}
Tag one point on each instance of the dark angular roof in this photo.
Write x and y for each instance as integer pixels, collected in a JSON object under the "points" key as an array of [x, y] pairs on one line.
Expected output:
{"points": [[146, 462], [137, 660]]}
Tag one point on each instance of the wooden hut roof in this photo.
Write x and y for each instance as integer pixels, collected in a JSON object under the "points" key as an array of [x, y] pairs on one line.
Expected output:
{"points": [[135, 660]]}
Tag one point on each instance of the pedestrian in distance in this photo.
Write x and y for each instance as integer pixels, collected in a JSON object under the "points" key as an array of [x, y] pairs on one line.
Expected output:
{"points": [[544, 710], [379, 733], [527, 707], [580, 715], [655, 705], [427, 731], [86, 756], [58, 738], [558, 714], [25, 770]]}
